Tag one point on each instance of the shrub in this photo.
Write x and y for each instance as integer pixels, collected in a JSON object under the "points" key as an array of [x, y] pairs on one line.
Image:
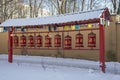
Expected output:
{"points": [[111, 55]]}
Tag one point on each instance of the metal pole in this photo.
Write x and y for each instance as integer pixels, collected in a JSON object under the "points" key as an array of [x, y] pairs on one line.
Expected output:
{"points": [[102, 47], [10, 51]]}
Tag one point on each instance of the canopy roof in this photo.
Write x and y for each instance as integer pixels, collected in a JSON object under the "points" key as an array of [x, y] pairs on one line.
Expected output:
{"points": [[58, 19]]}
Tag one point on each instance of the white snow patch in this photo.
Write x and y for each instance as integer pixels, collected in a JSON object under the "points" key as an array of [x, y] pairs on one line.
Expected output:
{"points": [[47, 68]]}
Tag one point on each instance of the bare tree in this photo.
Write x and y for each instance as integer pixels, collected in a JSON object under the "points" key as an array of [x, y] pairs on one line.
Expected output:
{"points": [[57, 5], [91, 3], [8, 8], [74, 6], [83, 5], [64, 6], [22, 10], [50, 6], [30, 5], [35, 6], [114, 5], [71, 6], [118, 11]]}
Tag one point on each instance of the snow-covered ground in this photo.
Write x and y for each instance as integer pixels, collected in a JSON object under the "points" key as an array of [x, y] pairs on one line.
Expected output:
{"points": [[47, 68]]}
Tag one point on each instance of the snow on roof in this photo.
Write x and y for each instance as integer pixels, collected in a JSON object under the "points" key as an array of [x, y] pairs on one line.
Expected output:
{"points": [[86, 15]]}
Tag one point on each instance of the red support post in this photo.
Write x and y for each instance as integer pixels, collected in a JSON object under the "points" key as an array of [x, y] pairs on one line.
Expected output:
{"points": [[10, 50], [102, 47]]}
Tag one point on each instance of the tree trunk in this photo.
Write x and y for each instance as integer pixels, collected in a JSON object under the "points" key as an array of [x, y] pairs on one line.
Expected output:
{"points": [[114, 5], [74, 6], [118, 11], [30, 4], [91, 1], [82, 7]]}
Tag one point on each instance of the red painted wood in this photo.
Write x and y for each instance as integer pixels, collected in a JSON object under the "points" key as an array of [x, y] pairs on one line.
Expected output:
{"points": [[10, 49], [56, 48], [102, 47]]}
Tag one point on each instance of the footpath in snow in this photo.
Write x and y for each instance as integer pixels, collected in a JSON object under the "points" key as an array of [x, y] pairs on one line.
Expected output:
{"points": [[111, 67]]}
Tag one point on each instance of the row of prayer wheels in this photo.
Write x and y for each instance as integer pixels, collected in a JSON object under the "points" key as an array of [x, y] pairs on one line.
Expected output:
{"points": [[38, 41]]}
